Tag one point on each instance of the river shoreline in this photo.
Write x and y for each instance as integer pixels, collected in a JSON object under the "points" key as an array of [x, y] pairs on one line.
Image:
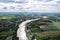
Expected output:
{"points": [[21, 33]]}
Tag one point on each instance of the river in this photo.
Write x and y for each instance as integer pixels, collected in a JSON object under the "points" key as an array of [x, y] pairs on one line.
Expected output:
{"points": [[21, 33]]}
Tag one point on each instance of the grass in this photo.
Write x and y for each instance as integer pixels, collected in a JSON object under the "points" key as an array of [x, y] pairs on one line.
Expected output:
{"points": [[4, 33], [53, 26], [56, 24], [7, 16], [52, 35]]}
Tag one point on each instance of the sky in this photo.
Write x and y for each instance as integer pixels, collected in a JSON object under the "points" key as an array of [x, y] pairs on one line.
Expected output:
{"points": [[30, 5]]}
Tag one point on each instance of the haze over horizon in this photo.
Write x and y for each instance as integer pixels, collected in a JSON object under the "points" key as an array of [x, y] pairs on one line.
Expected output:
{"points": [[29, 5]]}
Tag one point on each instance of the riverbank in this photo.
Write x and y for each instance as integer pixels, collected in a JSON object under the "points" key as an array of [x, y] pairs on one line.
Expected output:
{"points": [[21, 34]]}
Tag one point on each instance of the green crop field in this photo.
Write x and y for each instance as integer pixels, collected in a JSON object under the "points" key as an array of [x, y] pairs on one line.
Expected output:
{"points": [[56, 24], [50, 32]]}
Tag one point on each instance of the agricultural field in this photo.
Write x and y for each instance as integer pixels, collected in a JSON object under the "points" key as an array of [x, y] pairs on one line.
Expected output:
{"points": [[45, 29]]}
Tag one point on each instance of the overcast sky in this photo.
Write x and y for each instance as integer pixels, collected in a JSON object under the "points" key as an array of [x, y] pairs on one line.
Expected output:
{"points": [[30, 5]]}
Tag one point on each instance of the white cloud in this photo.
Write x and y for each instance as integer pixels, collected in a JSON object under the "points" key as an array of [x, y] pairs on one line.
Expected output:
{"points": [[31, 5]]}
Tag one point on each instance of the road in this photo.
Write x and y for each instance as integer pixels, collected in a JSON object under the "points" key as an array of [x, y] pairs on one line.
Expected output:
{"points": [[21, 32]]}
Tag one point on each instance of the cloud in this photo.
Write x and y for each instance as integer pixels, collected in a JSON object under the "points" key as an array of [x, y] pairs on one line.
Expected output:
{"points": [[58, 2], [44, 0], [31, 5], [13, 1]]}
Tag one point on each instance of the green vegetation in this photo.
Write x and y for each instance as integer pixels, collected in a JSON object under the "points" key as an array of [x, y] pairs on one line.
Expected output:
{"points": [[6, 33], [56, 24], [43, 29], [49, 30], [47, 36], [8, 26]]}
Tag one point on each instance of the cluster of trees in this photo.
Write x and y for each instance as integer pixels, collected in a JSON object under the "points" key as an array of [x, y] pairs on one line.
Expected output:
{"points": [[11, 25]]}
